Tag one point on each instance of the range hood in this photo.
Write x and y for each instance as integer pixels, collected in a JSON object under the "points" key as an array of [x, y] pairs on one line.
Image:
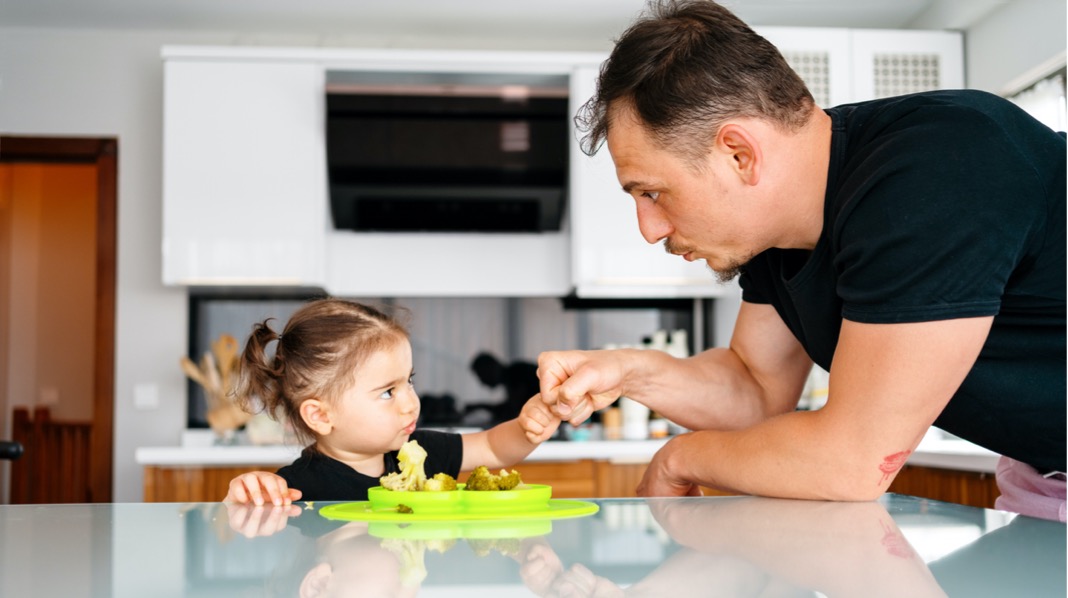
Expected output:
{"points": [[440, 152]]}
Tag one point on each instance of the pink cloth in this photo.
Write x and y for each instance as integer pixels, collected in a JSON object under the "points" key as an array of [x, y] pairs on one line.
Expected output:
{"points": [[1025, 491]]}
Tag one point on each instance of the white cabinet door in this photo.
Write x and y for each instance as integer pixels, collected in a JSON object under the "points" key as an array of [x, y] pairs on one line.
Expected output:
{"points": [[822, 57], [609, 257], [244, 172], [890, 62]]}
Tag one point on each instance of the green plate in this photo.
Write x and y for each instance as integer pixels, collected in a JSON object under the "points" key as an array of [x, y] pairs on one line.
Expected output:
{"points": [[420, 502], [523, 498], [554, 509]]}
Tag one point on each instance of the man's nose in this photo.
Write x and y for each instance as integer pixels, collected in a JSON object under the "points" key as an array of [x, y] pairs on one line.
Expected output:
{"points": [[651, 222]]}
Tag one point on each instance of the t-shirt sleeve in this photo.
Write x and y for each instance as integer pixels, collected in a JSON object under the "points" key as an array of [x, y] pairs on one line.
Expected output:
{"points": [[919, 236], [444, 451]]}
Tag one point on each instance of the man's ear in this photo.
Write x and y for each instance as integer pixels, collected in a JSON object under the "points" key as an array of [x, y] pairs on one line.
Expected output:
{"points": [[744, 150], [316, 414]]}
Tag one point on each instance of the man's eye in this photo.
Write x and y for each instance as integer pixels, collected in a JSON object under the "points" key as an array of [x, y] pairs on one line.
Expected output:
{"points": [[653, 195]]}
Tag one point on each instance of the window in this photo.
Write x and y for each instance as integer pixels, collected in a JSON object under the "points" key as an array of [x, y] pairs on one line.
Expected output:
{"points": [[1045, 100]]}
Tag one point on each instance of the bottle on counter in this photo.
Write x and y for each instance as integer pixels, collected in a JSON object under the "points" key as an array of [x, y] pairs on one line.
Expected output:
{"points": [[635, 419], [612, 423], [658, 426]]}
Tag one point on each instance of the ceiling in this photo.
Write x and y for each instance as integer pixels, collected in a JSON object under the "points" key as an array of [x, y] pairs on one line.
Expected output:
{"points": [[546, 20]]}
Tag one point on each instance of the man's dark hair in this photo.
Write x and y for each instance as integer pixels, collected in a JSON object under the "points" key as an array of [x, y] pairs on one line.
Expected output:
{"points": [[684, 68]]}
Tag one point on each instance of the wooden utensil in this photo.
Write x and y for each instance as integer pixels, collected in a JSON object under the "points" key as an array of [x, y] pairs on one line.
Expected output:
{"points": [[192, 371], [225, 351]]}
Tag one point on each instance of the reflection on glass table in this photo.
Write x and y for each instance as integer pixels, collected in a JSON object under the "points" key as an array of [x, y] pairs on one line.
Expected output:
{"points": [[737, 546]]}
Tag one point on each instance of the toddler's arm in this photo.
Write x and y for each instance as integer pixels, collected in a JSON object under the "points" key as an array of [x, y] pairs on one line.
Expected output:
{"points": [[251, 487], [510, 442]]}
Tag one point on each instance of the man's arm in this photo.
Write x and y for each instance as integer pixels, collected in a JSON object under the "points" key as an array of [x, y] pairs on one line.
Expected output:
{"points": [[888, 384], [760, 375]]}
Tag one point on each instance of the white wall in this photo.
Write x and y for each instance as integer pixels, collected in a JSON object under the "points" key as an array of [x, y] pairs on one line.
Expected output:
{"points": [[1013, 40], [109, 83]]}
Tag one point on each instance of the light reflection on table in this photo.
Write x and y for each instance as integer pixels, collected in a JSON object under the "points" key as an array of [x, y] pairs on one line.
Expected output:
{"points": [[738, 546]]}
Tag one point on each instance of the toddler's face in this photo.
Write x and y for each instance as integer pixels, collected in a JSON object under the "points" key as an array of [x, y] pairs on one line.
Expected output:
{"points": [[378, 412]]}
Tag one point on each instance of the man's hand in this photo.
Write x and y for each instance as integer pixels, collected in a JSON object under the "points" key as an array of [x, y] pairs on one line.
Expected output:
{"points": [[662, 478], [577, 383], [251, 487]]}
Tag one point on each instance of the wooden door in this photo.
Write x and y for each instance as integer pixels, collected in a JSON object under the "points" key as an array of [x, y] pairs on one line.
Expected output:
{"points": [[100, 154]]}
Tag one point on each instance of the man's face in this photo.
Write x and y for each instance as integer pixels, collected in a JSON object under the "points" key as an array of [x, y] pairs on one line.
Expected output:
{"points": [[697, 210]]}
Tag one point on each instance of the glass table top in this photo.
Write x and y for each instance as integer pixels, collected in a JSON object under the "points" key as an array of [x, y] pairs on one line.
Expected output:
{"points": [[721, 546]]}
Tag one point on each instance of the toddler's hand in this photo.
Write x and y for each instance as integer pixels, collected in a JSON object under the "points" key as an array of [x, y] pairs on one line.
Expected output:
{"points": [[537, 420], [250, 488]]}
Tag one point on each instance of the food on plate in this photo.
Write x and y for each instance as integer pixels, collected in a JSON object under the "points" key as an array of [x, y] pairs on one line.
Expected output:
{"points": [[441, 482], [481, 479], [411, 476]]}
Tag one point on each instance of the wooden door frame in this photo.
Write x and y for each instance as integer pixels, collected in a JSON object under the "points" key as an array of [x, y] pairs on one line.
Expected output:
{"points": [[103, 152]]}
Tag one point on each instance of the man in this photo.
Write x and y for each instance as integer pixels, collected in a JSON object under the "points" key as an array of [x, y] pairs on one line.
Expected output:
{"points": [[914, 247]]}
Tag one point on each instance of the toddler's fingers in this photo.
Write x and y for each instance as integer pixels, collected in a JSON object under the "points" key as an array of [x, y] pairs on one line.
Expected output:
{"points": [[238, 493], [276, 488], [251, 485]]}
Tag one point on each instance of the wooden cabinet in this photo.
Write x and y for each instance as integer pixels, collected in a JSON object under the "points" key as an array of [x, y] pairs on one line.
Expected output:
{"points": [[192, 483], [975, 489], [583, 478]]}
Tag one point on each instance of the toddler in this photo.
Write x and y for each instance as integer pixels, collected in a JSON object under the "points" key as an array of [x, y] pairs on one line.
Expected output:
{"points": [[341, 374]]}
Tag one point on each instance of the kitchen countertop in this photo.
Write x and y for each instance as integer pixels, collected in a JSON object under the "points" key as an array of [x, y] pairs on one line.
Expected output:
{"points": [[934, 451], [730, 546]]}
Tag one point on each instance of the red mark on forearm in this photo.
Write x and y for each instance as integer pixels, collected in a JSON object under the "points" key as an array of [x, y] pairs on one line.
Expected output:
{"points": [[892, 463]]}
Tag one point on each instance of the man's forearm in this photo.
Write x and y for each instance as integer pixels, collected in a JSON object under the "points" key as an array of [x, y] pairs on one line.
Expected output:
{"points": [[796, 455], [709, 391]]}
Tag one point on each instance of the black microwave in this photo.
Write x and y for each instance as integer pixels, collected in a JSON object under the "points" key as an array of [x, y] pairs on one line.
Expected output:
{"points": [[484, 155]]}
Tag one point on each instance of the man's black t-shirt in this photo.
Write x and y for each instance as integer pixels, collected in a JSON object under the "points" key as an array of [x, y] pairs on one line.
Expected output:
{"points": [[319, 477], [943, 205]]}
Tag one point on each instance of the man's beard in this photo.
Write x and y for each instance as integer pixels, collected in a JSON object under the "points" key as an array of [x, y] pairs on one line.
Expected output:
{"points": [[723, 275]]}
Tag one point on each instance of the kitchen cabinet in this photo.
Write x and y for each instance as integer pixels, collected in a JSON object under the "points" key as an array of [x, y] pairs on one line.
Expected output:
{"points": [[581, 478], [244, 185], [851, 65], [246, 197]]}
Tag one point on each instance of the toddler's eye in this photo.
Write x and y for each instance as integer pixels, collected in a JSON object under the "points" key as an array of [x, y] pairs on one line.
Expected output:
{"points": [[387, 394], [411, 380]]}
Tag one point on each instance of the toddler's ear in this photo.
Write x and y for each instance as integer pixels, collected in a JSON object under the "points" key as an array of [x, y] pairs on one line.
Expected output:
{"points": [[316, 414]]}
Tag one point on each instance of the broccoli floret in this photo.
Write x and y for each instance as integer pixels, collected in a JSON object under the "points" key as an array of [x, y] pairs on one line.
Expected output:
{"points": [[508, 479], [441, 482], [411, 476], [481, 479]]}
